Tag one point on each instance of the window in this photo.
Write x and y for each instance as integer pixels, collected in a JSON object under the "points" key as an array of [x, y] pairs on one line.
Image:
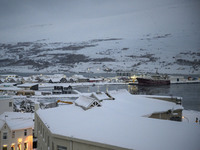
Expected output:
{"points": [[52, 146], [25, 132], [48, 141], [41, 128], [5, 135], [13, 134], [10, 104], [38, 126], [43, 133], [61, 147]]}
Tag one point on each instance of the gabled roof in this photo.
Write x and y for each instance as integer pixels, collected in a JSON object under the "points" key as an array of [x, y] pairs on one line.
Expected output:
{"points": [[76, 76], [86, 102], [7, 84], [2, 122], [2, 80], [27, 85], [16, 120], [101, 96], [2, 97], [55, 79]]}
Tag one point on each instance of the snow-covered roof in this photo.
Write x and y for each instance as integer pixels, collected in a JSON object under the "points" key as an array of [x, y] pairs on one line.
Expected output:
{"points": [[28, 85], [100, 96], [53, 76], [3, 97], [86, 102], [55, 79], [12, 88], [95, 79], [16, 120], [78, 76], [8, 75], [2, 122], [2, 79], [6, 84], [121, 123]]}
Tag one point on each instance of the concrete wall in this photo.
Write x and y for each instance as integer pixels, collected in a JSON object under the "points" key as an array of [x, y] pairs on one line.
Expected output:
{"points": [[84, 146], [4, 105], [19, 138]]}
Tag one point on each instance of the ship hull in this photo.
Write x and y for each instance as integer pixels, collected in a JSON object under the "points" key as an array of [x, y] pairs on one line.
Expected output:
{"points": [[143, 81]]}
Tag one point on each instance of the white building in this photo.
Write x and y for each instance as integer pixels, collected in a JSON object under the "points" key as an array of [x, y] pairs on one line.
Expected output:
{"points": [[119, 124], [6, 104], [16, 131]]}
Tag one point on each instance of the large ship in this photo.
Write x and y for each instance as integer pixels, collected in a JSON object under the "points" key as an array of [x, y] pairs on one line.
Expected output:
{"points": [[154, 80]]}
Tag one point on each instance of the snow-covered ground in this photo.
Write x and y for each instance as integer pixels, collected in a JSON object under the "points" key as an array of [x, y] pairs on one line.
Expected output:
{"points": [[138, 36]]}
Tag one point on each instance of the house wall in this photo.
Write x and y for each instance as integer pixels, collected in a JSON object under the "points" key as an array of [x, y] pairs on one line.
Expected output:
{"points": [[24, 93], [43, 135], [177, 78], [18, 138], [49, 141], [34, 87], [4, 105]]}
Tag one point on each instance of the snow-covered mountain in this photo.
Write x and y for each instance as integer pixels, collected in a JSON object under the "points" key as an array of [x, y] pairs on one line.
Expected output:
{"points": [[100, 36]]}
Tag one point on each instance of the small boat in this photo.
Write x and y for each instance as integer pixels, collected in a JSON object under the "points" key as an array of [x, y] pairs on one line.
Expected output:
{"points": [[153, 80]]}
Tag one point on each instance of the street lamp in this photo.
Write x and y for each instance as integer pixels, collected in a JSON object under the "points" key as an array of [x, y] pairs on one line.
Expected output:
{"points": [[183, 117]]}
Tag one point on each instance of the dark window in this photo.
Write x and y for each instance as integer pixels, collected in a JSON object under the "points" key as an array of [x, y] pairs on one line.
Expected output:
{"points": [[48, 141], [13, 134], [25, 132], [61, 147], [43, 133], [10, 104], [4, 135], [52, 146]]}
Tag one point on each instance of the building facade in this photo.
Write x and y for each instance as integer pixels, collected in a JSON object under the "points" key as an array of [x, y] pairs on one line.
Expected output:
{"points": [[6, 104], [16, 139], [16, 131], [50, 141]]}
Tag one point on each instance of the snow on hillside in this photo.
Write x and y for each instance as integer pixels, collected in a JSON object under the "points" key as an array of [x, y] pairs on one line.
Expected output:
{"points": [[106, 36]]}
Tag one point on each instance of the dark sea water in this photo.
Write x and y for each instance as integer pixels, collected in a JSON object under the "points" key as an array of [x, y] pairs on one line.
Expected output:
{"points": [[189, 92]]}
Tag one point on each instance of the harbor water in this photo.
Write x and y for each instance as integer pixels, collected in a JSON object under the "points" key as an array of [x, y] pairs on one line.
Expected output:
{"points": [[189, 92]]}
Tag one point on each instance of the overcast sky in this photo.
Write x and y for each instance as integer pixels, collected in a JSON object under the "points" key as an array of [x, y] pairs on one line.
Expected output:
{"points": [[16, 16], [23, 12]]}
